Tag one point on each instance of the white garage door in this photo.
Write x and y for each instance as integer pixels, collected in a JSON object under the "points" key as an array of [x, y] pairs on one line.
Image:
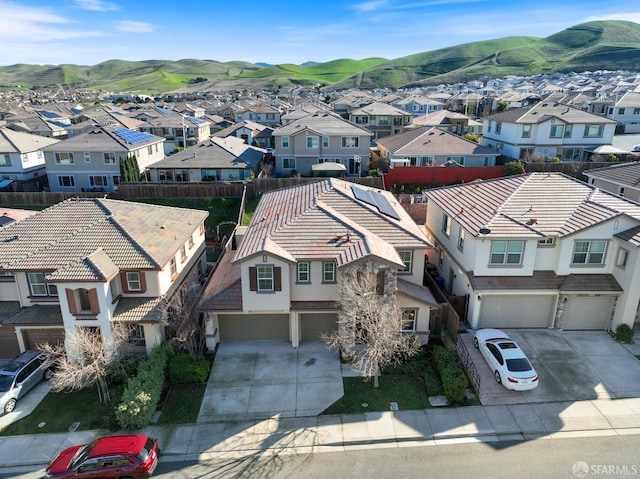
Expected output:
{"points": [[254, 328], [588, 312], [516, 311]]}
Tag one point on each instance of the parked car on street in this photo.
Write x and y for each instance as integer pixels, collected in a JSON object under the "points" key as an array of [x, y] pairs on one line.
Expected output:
{"points": [[20, 375], [133, 456], [510, 366]]}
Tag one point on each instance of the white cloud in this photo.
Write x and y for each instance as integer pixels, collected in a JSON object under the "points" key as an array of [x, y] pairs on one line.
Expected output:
{"points": [[133, 26], [630, 17], [96, 5], [369, 6]]}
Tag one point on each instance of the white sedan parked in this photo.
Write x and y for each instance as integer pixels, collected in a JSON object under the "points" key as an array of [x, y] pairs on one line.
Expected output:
{"points": [[510, 366]]}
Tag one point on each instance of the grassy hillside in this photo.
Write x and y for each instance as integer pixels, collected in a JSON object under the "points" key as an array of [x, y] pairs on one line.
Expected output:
{"points": [[612, 45]]}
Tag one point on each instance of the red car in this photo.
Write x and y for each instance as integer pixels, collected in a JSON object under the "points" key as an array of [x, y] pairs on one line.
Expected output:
{"points": [[133, 456]]}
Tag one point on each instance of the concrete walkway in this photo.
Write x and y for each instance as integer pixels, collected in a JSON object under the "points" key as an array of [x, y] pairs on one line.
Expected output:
{"points": [[277, 435]]}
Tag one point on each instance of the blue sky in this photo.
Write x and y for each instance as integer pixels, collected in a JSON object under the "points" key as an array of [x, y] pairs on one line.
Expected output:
{"points": [[88, 32]]}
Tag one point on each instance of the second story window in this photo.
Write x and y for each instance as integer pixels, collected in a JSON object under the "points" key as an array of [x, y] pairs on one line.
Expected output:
{"points": [[183, 253], [461, 239], [64, 159], [407, 258], [350, 142], [593, 131], [526, 131], [312, 142], [285, 142], [172, 267], [498, 127], [506, 252], [589, 252], [39, 286], [303, 272], [446, 224], [329, 272], [109, 158], [556, 131], [265, 278], [325, 142], [133, 281]]}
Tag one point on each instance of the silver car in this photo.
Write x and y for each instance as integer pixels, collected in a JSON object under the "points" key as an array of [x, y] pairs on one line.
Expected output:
{"points": [[20, 375]]}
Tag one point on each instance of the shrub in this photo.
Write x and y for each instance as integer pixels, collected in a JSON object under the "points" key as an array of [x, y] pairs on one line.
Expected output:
{"points": [[183, 369], [432, 383], [123, 369], [556, 159], [141, 396], [624, 333], [515, 167], [452, 375]]}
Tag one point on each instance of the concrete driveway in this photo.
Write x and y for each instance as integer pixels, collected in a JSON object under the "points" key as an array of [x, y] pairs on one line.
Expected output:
{"points": [[572, 365], [257, 380]]}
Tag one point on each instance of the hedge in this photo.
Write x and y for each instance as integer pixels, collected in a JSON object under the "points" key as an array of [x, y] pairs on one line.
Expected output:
{"points": [[140, 397], [184, 370], [454, 380]]}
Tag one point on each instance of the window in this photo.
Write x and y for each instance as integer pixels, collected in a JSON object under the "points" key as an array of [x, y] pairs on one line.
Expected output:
{"points": [[312, 142], [285, 142], [64, 159], [461, 239], [350, 142], [201, 229], [526, 131], [556, 131], [210, 175], [328, 272], [288, 163], [325, 142], [172, 267], [39, 287], [190, 241], [620, 111], [621, 260], [66, 181], [636, 111], [547, 242], [109, 158], [506, 252], [409, 317], [498, 127], [182, 175], [489, 129], [116, 180], [87, 157], [133, 281], [98, 181], [446, 224], [135, 335], [589, 252], [568, 130], [407, 259], [303, 272], [150, 150], [621, 192], [265, 278], [593, 131], [183, 253], [165, 175]]}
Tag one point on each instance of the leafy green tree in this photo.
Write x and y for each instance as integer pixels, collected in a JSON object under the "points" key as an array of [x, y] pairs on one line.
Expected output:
{"points": [[515, 167], [471, 137], [501, 105]]}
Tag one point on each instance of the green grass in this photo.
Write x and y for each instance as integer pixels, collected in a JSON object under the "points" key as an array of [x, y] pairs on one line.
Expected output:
{"points": [[408, 391], [60, 410], [182, 404]]}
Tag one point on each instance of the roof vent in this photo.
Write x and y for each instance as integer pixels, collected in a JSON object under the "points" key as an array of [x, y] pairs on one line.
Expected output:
{"points": [[532, 221], [162, 227]]}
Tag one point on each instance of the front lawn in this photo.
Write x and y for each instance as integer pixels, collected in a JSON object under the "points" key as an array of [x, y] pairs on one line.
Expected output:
{"points": [[58, 411], [182, 404]]}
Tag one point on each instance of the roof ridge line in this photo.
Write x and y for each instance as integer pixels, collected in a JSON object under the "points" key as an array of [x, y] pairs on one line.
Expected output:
{"points": [[125, 233]]}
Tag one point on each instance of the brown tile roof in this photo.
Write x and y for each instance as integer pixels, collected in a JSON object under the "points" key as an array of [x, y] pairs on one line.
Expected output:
{"points": [[323, 123], [139, 310], [324, 219], [314, 305], [68, 235], [625, 174], [432, 141], [37, 314], [558, 205], [546, 110], [547, 280], [223, 291], [416, 291]]}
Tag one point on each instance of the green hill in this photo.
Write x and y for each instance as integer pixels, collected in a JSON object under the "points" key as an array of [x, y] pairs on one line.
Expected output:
{"points": [[610, 45]]}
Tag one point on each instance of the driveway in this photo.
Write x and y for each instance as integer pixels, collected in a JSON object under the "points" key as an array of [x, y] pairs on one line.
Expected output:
{"points": [[257, 380], [572, 365]]}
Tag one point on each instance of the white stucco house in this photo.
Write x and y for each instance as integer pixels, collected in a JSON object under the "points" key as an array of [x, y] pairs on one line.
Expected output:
{"points": [[542, 250]]}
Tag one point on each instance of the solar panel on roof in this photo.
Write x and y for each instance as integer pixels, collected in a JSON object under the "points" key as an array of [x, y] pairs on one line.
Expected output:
{"points": [[197, 121], [374, 198], [363, 195], [132, 137], [164, 111], [48, 114]]}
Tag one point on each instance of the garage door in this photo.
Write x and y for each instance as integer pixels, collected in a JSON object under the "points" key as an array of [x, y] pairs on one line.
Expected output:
{"points": [[314, 325], [254, 328], [588, 312], [9, 347], [34, 337], [523, 311]]}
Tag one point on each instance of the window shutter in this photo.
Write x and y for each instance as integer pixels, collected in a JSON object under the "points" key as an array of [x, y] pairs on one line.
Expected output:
{"points": [[93, 300], [143, 281], [277, 279], [123, 281], [253, 278], [71, 300], [380, 283]]}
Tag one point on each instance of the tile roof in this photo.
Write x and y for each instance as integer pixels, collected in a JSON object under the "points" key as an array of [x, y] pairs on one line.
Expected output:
{"points": [[325, 124], [19, 142], [379, 109], [40, 314], [324, 219], [92, 237], [544, 111], [432, 141], [547, 280], [416, 291], [625, 174], [529, 206], [223, 291], [101, 139], [139, 310]]}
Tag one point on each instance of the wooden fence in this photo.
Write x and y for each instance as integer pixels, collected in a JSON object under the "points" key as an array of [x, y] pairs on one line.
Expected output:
{"points": [[24, 199], [469, 365]]}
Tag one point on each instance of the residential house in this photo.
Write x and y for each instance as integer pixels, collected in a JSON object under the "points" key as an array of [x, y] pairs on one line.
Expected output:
{"points": [[626, 111], [433, 147], [22, 160], [542, 250], [547, 130], [259, 113], [93, 263], [250, 132], [620, 179], [91, 161], [381, 119], [283, 281], [418, 105], [452, 121], [218, 159], [178, 130], [321, 138]]}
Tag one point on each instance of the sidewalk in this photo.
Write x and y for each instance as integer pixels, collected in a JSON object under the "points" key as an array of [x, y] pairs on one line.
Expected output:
{"points": [[357, 431]]}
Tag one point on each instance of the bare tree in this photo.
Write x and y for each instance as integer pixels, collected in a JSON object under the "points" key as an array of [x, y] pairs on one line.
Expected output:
{"points": [[87, 359], [186, 326], [369, 323]]}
